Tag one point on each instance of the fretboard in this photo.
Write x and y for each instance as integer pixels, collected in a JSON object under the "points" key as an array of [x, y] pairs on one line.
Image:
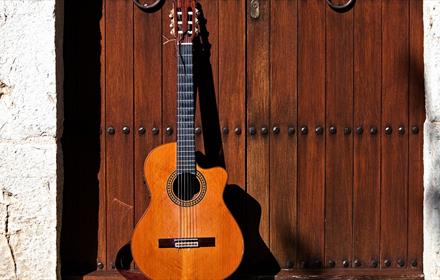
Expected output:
{"points": [[185, 110]]}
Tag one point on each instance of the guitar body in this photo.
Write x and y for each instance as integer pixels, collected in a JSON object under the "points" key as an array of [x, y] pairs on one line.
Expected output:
{"points": [[194, 238]]}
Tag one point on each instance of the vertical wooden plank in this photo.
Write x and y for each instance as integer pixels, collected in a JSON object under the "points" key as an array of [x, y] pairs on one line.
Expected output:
{"points": [[148, 96], [169, 77], [210, 11], [102, 215], [417, 117], [119, 110], [367, 113], [339, 147], [311, 147], [283, 114], [395, 68], [258, 113], [232, 47]]}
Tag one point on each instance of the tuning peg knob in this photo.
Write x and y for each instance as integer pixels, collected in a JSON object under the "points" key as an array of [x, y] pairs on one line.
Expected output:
{"points": [[173, 32], [171, 25], [171, 15], [196, 30], [197, 12]]}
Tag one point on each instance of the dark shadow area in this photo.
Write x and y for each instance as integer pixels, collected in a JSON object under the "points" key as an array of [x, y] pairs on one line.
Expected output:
{"points": [[81, 138], [257, 261]]}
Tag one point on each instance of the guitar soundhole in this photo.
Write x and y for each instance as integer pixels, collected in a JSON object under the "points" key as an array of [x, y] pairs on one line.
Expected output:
{"points": [[186, 186], [186, 190]]}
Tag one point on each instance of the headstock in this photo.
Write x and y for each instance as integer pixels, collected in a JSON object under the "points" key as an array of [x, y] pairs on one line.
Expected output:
{"points": [[184, 20]]}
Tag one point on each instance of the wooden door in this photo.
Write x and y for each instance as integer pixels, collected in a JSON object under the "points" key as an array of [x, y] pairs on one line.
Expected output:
{"points": [[316, 114]]}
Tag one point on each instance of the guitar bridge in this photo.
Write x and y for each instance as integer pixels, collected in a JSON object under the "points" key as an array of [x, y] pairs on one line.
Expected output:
{"points": [[187, 243]]}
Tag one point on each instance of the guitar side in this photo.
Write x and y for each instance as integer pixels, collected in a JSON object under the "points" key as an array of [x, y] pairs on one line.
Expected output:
{"points": [[164, 220]]}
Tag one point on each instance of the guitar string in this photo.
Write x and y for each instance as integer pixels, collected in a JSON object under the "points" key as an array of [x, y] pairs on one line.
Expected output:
{"points": [[183, 138], [178, 160], [186, 141]]}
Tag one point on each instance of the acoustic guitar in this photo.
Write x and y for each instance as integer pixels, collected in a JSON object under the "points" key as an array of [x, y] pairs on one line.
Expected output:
{"points": [[187, 232]]}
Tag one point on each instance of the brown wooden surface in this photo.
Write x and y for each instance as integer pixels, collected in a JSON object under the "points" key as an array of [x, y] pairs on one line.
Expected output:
{"points": [[415, 154], [297, 274], [148, 97], [169, 76], [119, 113], [232, 86], [258, 113], [322, 197], [339, 147], [311, 147], [367, 112], [101, 255], [395, 66], [283, 114]]}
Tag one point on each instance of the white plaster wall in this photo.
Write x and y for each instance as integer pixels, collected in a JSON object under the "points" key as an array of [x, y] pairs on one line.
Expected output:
{"points": [[28, 139], [432, 141]]}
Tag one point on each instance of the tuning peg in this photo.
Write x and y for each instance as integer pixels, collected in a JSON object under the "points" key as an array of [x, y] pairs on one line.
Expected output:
{"points": [[196, 30], [197, 12], [171, 25], [173, 32]]}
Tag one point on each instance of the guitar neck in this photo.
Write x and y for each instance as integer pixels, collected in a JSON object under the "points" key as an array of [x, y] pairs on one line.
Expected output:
{"points": [[185, 110]]}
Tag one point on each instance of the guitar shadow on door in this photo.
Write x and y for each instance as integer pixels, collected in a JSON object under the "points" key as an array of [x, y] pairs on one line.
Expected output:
{"points": [[257, 260]]}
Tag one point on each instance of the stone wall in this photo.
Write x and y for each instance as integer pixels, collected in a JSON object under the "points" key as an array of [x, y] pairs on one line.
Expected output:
{"points": [[29, 132], [432, 140]]}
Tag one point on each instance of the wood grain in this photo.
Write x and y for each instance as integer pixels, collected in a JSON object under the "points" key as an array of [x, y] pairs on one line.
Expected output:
{"points": [[258, 113], [102, 176], [164, 219], [283, 114], [148, 97], [339, 147], [416, 118], [298, 64], [395, 68], [336, 274], [169, 76], [232, 85], [311, 147], [119, 113], [210, 12], [367, 112]]}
